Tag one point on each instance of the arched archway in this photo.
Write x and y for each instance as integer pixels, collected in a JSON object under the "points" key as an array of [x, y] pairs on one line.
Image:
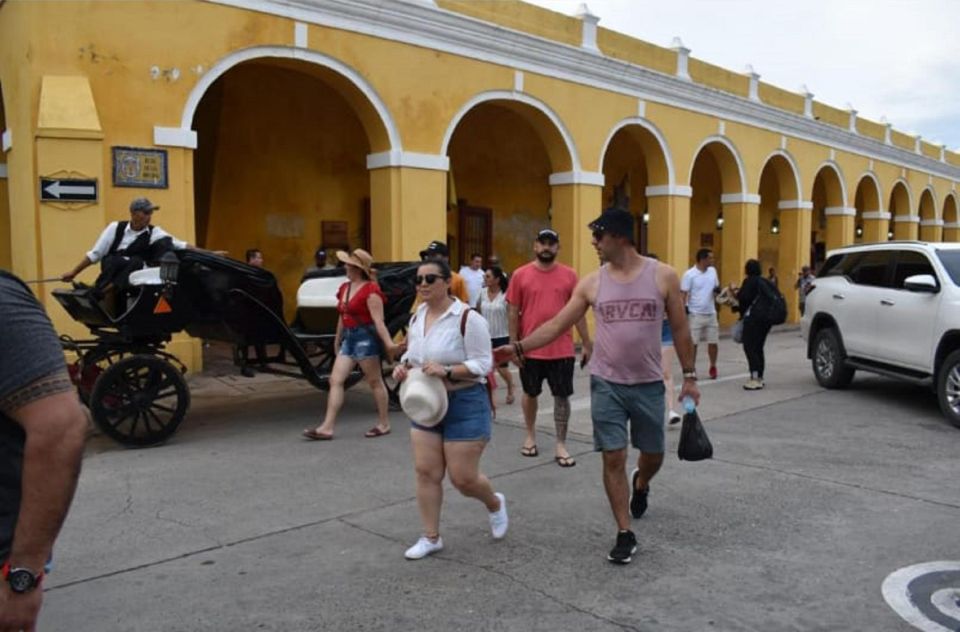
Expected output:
{"points": [[635, 157], [830, 213], [930, 229], [869, 224], [503, 149], [903, 221], [782, 222], [281, 161], [723, 216], [951, 218]]}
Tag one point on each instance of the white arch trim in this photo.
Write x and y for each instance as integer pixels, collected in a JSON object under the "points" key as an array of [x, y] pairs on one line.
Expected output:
{"points": [[956, 202], [284, 52], [723, 140], [793, 165], [832, 164], [933, 195], [906, 185], [657, 134], [876, 184], [506, 95]]}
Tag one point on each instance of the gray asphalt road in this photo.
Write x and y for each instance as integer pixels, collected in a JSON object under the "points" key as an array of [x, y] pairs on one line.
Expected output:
{"points": [[812, 499]]}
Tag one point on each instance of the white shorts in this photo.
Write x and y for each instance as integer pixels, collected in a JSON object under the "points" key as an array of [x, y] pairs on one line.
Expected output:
{"points": [[704, 327]]}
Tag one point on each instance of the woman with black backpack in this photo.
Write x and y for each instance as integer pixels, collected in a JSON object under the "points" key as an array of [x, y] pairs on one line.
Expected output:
{"points": [[756, 298]]}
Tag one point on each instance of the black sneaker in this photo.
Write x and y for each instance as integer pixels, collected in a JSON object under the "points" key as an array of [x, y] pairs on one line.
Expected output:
{"points": [[626, 546], [638, 499]]}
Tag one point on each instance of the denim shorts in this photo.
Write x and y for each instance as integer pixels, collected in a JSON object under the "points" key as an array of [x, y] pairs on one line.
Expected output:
{"points": [[612, 405], [360, 343], [468, 417]]}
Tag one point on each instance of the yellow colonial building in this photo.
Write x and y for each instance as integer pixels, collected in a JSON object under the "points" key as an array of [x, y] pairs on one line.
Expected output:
{"points": [[287, 124]]}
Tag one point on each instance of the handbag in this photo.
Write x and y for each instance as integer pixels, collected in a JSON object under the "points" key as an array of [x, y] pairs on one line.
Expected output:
{"points": [[694, 444], [738, 331]]}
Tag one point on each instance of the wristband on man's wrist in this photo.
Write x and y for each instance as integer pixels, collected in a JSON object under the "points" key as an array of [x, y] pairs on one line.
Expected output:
{"points": [[690, 374]]}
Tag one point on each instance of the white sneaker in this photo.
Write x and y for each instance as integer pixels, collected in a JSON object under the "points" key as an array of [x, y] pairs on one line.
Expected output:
{"points": [[498, 519], [423, 548], [674, 417]]}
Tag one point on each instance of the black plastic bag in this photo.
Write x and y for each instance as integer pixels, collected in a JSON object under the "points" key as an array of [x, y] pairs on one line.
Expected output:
{"points": [[694, 444]]}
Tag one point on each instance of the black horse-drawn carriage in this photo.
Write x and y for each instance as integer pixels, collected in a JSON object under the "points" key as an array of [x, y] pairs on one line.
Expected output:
{"points": [[136, 390]]}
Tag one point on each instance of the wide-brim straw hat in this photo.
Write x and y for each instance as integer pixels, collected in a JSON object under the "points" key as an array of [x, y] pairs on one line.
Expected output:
{"points": [[423, 398], [359, 258]]}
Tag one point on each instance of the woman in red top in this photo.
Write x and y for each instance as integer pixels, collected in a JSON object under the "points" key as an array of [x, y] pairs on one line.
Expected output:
{"points": [[360, 332]]}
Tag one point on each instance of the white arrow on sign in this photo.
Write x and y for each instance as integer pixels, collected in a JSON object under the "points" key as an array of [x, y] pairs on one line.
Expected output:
{"points": [[55, 189]]}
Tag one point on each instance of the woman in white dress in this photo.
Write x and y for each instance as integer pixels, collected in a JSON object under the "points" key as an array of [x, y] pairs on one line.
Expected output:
{"points": [[493, 306]]}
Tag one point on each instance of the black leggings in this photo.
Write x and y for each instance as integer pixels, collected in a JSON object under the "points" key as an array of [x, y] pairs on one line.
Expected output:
{"points": [[754, 337]]}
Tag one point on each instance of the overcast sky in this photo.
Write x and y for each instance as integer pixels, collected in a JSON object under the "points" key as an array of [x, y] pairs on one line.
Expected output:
{"points": [[893, 58]]}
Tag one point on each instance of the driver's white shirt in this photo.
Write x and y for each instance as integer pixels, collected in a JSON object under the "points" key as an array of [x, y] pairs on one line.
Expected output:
{"points": [[105, 240]]}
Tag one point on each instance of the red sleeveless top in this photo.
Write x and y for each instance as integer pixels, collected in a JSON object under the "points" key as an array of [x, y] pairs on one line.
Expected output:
{"points": [[354, 308]]}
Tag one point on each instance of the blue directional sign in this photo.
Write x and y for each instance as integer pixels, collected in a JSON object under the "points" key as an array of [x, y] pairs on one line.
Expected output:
{"points": [[68, 190]]}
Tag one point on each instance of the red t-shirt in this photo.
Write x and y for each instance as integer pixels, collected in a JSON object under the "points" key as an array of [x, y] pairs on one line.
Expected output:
{"points": [[355, 311], [539, 295]]}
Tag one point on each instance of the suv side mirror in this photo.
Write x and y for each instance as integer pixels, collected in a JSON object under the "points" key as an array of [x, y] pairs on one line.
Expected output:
{"points": [[921, 283]]}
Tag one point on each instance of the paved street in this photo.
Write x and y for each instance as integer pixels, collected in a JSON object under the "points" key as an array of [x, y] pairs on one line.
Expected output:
{"points": [[812, 500]]}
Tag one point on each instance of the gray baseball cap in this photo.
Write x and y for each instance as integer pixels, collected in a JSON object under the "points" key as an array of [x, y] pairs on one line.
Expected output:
{"points": [[143, 205]]}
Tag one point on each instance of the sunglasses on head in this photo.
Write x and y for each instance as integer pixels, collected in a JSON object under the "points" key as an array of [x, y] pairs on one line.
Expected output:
{"points": [[429, 278]]}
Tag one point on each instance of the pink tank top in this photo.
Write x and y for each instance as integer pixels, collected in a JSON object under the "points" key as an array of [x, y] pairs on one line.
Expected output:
{"points": [[629, 316]]}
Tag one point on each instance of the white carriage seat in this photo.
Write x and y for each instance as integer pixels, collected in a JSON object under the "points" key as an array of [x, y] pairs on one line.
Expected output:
{"points": [[317, 304], [146, 276]]}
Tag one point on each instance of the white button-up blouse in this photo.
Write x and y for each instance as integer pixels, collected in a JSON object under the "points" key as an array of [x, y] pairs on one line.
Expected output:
{"points": [[445, 345]]}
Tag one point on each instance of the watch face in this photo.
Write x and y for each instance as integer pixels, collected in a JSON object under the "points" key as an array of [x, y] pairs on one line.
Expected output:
{"points": [[21, 580]]}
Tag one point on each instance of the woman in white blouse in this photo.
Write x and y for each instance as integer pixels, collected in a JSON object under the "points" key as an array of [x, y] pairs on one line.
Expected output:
{"points": [[493, 306], [454, 446]]}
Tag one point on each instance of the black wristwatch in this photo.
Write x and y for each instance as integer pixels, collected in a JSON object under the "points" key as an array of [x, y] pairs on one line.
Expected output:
{"points": [[21, 580]]}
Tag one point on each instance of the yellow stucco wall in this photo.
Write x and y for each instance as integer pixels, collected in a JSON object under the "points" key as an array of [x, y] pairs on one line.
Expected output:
{"points": [[284, 143]]}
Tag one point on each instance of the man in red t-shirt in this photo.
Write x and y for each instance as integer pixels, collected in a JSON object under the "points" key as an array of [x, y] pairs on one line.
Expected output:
{"points": [[537, 291]]}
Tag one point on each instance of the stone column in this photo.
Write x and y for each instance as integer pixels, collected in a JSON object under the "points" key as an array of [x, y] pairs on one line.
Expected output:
{"points": [[576, 198], [741, 217], [408, 203], [840, 226], [931, 230], [951, 231], [906, 227], [796, 217], [876, 224], [668, 233]]}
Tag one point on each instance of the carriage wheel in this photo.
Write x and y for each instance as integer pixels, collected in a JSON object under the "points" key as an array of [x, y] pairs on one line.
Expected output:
{"points": [[140, 400], [91, 366]]}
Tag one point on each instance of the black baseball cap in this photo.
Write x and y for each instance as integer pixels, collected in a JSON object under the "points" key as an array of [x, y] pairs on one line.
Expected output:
{"points": [[615, 221], [435, 248], [548, 234]]}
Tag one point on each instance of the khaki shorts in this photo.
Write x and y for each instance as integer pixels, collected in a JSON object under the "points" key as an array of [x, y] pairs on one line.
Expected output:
{"points": [[703, 327]]}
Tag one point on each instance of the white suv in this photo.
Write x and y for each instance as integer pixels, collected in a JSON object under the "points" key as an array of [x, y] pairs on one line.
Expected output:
{"points": [[891, 308]]}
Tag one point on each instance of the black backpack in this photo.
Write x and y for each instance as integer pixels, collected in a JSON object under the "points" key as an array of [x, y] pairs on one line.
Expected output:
{"points": [[770, 305]]}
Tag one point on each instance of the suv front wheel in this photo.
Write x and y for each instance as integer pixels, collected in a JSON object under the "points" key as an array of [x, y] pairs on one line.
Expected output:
{"points": [[828, 360], [948, 388]]}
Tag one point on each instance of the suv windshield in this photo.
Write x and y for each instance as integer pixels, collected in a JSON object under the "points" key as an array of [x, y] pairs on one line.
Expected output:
{"points": [[951, 261]]}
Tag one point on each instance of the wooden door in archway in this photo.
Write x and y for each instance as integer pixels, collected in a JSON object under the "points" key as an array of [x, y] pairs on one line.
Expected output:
{"points": [[475, 232]]}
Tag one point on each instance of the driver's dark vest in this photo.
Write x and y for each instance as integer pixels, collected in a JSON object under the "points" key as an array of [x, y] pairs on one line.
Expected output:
{"points": [[140, 246]]}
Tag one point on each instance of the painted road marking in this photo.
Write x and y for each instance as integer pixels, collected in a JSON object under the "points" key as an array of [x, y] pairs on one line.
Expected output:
{"points": [[927, 596]]}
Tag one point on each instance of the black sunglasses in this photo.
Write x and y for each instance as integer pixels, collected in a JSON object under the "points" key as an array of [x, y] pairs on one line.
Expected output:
{"points": [[598, 234], [429, 278]]}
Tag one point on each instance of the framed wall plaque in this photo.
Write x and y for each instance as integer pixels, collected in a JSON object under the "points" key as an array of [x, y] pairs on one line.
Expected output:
{"points": [[140, 168]]}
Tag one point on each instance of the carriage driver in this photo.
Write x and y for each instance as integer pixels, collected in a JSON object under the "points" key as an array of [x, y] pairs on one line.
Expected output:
{"points": [[124, 247]]}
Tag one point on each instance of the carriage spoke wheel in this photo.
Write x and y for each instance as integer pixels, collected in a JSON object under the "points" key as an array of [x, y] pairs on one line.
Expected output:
{"points": [[140, 400], [92, 366]]}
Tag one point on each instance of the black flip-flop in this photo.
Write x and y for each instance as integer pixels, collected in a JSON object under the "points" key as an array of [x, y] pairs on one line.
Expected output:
{"points": [[565, 461], [529, 451]]}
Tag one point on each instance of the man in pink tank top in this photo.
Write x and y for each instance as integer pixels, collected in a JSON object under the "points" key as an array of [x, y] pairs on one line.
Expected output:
{"points": [[629, 294]]}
